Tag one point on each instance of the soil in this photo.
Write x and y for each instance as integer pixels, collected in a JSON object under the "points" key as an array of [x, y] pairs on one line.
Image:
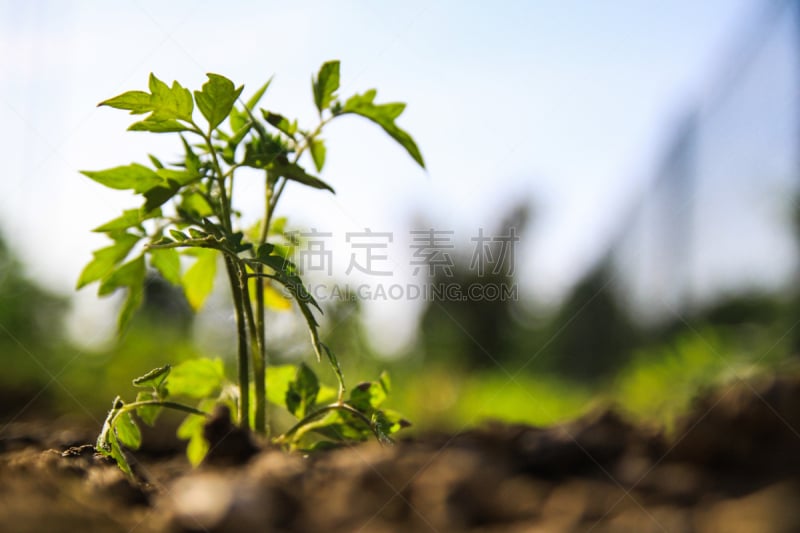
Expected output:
{"points": [[732, 465]]}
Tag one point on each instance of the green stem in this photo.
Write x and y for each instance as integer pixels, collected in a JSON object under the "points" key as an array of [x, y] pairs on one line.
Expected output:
{"points": [[257, 352], [327, 409], [241, 335], [161, 403]]}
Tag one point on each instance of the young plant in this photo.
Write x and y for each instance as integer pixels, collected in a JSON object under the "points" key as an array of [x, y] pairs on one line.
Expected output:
{"points": [[188, 211]]}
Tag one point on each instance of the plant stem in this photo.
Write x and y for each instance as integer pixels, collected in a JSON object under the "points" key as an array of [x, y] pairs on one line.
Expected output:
{"points": [[241, 335], [259, 362], [327, 409], [161, 403]]}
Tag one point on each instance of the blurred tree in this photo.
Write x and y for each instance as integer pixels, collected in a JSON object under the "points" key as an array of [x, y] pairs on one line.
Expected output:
{"points": [[471, 325], [31, 330], [592, 334]]}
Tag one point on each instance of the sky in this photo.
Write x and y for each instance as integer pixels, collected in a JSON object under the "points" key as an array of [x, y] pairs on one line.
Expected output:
{"points": [[563, 105]]}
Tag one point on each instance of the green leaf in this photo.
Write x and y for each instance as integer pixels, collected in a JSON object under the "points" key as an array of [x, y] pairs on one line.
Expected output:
{"points": [[129, 219], [106, 258], [181, 177], [148, 413], [384, 115], [280, 122], [197, 378], [301, 395], [153, 378], [156, 162], [216, 99], [339, 425], [285, 273], [197, 449], [199, 278], [191, 160], [131, 274], [127, 431], [317, 147], [168, 263], [137, 102], [237, 119], [294, 172], [196, 205], [118, 455], [192, 430], [158, 126], [262, 150], [158, 196], [178, 235], [326, 84], [389, 421], [170, 103], [368, 396], [253, 101], [278, 379], [133, 301], [385, 382], [134, 176]]}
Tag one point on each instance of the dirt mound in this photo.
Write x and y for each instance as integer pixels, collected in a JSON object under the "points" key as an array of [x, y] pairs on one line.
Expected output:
{"points": [[732, 465]]}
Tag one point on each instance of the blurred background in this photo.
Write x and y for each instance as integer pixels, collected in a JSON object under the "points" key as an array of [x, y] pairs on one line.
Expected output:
{"points": [[626, 173]]}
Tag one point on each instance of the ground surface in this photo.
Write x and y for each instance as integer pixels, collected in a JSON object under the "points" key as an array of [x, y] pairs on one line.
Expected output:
{"points": [[733, 465]]}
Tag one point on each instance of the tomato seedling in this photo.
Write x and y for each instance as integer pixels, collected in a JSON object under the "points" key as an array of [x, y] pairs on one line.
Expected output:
{"points": [[189, 213]]}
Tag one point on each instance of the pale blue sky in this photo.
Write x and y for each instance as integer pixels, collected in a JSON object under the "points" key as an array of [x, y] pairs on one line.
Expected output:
{"points": [[565, 102]]}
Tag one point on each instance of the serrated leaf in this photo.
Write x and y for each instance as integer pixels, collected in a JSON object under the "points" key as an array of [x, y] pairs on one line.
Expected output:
{"points": [[130, 274], [285, 273], [317, 148], [181, 177], [294, 172], [137, 177], [137, 102], [301, 396], [168, 263], [106, 258], [128, 219], [275, 299], [262, 150], [339, 425], [158, 196], [384, 115], [127, 431], [153, 378], [191, 160], [173, 103], [216, 99], [158, 126], [133, 301], [148, 413], [198, 378], [325, 84], [280, 122], [367, 396]]}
